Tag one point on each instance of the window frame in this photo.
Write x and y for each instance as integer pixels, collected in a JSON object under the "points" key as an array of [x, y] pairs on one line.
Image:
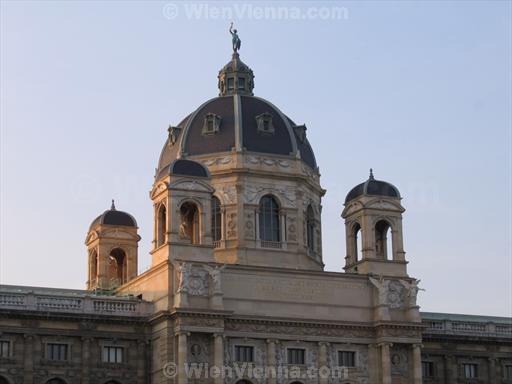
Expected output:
{"points": [[245, 347], [354, 358], [432, 368], [296, 349], [116, 348], [47, 354], [269, 219], [473, 374], [10, 351]]}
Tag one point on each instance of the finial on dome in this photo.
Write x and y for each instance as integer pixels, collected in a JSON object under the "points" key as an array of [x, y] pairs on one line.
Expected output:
{"points": [[235, 39], [371, 174], [113, 206]]}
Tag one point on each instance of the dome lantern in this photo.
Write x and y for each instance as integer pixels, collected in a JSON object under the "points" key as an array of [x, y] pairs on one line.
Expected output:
{"points": [[236, 78]]}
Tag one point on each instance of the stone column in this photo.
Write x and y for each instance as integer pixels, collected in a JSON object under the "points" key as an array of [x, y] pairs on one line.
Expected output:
{"points": [[86, 357], [450, 369], [322, 362], [182, 357], [271, 360], [218, 356], [141, 361], [492, 370], [385, 363], [282, 224], [258, 239], [373, 363], [416, 364], [28, 359]]}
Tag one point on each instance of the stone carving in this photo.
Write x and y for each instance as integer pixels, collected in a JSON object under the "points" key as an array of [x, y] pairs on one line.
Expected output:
{"points": [[218, 160], [198, 351], [249, 225], [215, 274], [198, 282], [190, 186], [158, 189], [399, 361], [184, 277], [231, 225], [292, 229], [382, 287], [395, 295], [412, 290], [268, 162], [228, 194], [287, 194]]}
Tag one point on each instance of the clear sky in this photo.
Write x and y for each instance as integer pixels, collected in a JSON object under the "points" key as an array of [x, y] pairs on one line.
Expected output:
{"points": [[420, 91]]}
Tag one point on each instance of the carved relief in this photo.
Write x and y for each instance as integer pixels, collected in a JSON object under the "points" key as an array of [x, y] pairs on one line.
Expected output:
{"points": [[190, 185], [228, 193], [292, 228], [159, 188], [399, 361], [268, 162], [231, 225], [249, 225], [198, 350], [395, 296], [218, 160], [287, 194]]}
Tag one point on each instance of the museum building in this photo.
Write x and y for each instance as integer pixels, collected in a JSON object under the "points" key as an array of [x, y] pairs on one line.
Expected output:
{"points": [[237, 280]]}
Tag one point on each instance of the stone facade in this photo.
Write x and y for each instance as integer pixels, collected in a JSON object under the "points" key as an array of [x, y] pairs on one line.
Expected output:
{"points": [[237, 282]]}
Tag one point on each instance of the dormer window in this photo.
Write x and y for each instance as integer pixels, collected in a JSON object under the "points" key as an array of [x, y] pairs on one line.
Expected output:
{"points": [[265, 125], [231, 83], [211, 124], [241, 83]]}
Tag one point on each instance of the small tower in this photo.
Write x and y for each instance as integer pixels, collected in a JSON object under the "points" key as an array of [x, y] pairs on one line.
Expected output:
{"points": [[112, 243], [373, 224]]}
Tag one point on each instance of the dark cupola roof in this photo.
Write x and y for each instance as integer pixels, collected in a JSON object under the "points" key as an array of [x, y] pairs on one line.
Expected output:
{"points": [[114, 217], [235, 121], [372, 187]]}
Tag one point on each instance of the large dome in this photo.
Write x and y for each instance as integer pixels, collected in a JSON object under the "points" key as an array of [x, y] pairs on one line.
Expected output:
{"points": [[236, 120]]}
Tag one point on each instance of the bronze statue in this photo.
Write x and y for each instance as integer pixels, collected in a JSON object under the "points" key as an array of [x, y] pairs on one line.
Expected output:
{"points": [[235, 40]]}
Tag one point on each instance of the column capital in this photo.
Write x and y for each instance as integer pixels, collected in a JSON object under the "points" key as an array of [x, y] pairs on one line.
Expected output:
{"points": [[272, 341], [417, 345], [385, 344], [182, 333], [324, 343]]}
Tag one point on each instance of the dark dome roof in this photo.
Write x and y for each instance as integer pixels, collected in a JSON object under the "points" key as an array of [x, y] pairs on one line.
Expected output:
{"points": [[191, 139], [373, 187], [114, 217], [235, 116], [185, 168]]}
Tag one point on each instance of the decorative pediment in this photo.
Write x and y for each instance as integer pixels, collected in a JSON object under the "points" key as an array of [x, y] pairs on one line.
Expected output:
{"points": [[264, 124], [91, 236], [119, 234], [191, 185], [351, 208], [384, 204], [158, 189]]}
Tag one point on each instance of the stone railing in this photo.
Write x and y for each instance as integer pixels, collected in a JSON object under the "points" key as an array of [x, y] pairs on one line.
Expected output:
{"points": [[469, 328], [83, 304]]}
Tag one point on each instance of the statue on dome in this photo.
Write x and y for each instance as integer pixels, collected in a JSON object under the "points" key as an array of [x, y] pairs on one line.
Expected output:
{"points": [[235, 39]]}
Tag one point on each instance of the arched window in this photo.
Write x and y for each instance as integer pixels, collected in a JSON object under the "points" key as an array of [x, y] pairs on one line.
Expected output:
{"points": [[269, 220], [93, 267], [357, 242], [381, 240], [310, 229], [189, 227], [117, 268], [55, 381], [216, 222], [161, 225]]}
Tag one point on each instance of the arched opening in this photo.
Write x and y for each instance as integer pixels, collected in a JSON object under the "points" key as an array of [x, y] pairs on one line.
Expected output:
{"points": [[112, 382], [243, 382], [161, 225], [117, 268], [310, 229], [269, 221], [216, 222], [55, 380], [189, 227], [383, 247], [358, 242], [93, 267], [3, 380]]}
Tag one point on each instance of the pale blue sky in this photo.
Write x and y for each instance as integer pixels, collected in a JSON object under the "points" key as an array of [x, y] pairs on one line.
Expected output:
{"points": [[420, 91]]}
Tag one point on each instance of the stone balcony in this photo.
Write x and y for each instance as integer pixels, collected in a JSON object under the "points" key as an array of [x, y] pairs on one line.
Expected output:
{"points": [[467, 325], [50, 300]]}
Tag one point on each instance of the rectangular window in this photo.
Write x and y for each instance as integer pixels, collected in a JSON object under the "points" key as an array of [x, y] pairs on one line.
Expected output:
{"points": [[469, 371], [427, 368], [241, 83], [57, 351], [5, 348], [508, 372], [112, 354], [296, 356], [244, 353], [346, 359], [231, 83]]}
